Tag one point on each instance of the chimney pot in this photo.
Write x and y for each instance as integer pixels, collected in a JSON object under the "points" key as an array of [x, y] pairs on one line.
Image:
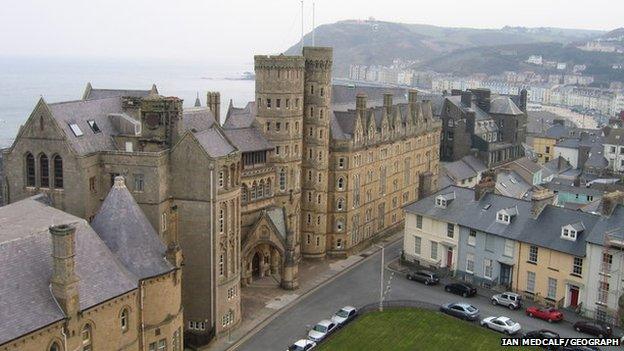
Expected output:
{"points": [[64, 281]]}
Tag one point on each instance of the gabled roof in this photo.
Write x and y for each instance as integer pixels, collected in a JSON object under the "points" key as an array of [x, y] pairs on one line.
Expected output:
{"points": [[248, 139], [214, 142], [127, 232], [240, 117], [94, 94], [453, 211], [80, 112], [503, 105], [278, 217], [197, 119], [26, 267]]}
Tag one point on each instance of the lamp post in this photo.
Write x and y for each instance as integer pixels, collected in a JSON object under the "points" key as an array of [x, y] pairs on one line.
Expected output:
{"points": [[381, 278]]}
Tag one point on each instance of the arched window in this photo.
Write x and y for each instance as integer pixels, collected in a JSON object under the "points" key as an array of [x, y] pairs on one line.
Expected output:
{"points": [[44, 171], [221, 215], [54, 347], [58, 171], [124, 320], [340, 183], [282, 180], [260, 192], [30, 170], [244, 191], [267, 188], [339, 225], [254, 187], [87, 338], [340, 204], [318, 199]]}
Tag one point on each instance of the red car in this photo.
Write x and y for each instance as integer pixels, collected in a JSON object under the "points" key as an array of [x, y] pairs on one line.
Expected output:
{"points": [[547, 314]]}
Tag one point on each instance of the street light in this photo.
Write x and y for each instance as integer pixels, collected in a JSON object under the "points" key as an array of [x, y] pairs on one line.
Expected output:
{"points": [[381, 278]]}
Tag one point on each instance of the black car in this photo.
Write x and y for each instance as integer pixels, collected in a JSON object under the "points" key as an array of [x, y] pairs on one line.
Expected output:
{"points": [[542, 334], [594, 328], [429, 278], [463, 289]]}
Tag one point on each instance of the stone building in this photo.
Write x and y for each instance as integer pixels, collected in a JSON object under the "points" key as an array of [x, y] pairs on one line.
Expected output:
{"points": [[75, 286], [492, 128], [284, 177]]}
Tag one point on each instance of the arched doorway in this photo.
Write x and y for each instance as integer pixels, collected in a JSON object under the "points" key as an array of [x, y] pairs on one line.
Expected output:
{"points": [[255, 264]]}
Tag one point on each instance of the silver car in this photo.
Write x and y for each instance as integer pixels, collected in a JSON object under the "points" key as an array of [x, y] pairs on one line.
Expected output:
{"points": [[508, 299]]}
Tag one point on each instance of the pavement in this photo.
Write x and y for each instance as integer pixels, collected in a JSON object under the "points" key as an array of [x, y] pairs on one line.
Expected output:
{"points": [[360, 286], [265, 301]]}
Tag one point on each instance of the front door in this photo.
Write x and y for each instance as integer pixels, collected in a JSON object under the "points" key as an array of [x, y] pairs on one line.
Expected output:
{"points": [[574, 296], [505, 275], [255, 264], [449, 257]]}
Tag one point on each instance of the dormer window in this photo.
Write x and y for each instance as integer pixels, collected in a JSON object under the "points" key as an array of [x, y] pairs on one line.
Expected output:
{"points": [[75, 129], [443, 200], [571, 231], [505, 215], [94, 127]]}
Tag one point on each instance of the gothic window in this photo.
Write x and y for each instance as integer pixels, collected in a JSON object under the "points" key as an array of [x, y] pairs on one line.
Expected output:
{"points": [[321, 113], [282, 180], [340, 183], [58, 171], [44, 171], [311, 111], [267, 188], [311, 89], [318, 199], [123, 320], [322, 92], [254, 188], [30, 170], [260, 192], [55, 347], [221, 179], [310, 196], [221, 225], [339, 225], [86, 336], [221, 262], [340, 204], [244, 194]]}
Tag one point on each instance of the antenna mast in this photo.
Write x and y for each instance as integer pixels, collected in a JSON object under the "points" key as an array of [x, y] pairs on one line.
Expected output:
{"points": [[313, 25], [302, 25]]}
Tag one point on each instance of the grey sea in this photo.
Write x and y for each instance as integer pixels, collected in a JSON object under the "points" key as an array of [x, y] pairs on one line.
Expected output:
{"points": [[23, 81]]}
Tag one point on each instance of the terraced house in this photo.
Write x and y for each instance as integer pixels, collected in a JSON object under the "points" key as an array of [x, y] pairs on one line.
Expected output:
{"points": [[284, 177], [553, 255]]}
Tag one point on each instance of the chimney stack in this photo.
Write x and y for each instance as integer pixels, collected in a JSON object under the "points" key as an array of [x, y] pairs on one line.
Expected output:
{"points": [[214, 105], [487, 184], [539, 199], [387, 102], [360, 102], [466, 98], [610, 200], [64, 282]]}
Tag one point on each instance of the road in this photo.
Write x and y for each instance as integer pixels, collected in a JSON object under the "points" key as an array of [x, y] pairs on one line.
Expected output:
{"points": [[360, 286]]}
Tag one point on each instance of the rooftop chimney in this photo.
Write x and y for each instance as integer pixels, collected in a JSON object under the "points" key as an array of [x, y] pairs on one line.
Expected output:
{"points": [[360, 102], [466, 98], [487, 184], [539, 199], [214, 104], [387, 102], [64, 282], [610, 200]]}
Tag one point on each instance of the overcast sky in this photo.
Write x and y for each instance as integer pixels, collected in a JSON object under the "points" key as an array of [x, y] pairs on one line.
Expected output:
{"points": [[234, 30]]}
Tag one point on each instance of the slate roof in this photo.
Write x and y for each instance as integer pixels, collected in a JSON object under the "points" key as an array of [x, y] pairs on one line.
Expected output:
{"points": [[214, 142], [510, 183], [613, 224], [95, 94], [479, 113], [545, 231], [503, 105], [277, 216], [454, 209], [240, 117], [615, 137], [481, 215], [568, 188], [26, 302], [459, 170], [248, 139], [197, 118], [570, 143], [81, 111], [127, 232]]}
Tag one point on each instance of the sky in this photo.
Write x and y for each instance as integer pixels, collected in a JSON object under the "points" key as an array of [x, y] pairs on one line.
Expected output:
{"points": [[235, 30]]}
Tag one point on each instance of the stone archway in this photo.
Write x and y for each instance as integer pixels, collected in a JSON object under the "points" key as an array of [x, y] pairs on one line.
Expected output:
{"points": [[264, 260], [256, 262]]}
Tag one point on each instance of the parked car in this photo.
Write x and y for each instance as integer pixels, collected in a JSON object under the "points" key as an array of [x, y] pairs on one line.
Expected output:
{"points": [[426, 277], [594, 328], [461, 310], [344, 315], [502, 324], [508, 299], [541, 334], [321, 330], [547, 314], [302, 345], [463, 289]]}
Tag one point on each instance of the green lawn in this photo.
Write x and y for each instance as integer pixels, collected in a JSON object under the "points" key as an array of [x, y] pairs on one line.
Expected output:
{"points": [[413, 329]]}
